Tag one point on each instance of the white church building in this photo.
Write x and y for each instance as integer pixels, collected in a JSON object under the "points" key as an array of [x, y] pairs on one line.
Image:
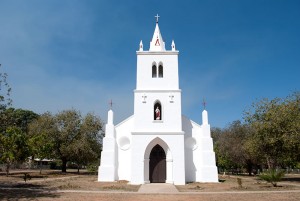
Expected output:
{"points": [[157, 144]]}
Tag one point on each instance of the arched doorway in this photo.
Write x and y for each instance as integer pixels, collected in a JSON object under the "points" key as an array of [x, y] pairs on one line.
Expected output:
{"points": [[157, 165]]}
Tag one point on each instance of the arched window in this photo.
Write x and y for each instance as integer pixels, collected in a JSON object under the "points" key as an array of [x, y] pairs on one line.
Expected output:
{"points": [[160, 71], [154, 71], [157, 111]]}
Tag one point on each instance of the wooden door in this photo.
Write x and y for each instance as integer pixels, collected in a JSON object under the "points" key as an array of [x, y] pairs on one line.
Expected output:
{"points": [[157, 166]]}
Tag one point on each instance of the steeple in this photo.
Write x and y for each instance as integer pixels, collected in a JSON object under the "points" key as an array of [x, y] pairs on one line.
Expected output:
{"points": [[157, 43]]}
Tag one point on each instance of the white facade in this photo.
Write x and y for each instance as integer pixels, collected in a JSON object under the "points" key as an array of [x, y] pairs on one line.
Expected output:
{"points": [[157, 143]]}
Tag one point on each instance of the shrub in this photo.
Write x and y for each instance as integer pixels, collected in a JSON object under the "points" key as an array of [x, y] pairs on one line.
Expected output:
{"points": [[92, 168], [240, 183], [272, 176]]}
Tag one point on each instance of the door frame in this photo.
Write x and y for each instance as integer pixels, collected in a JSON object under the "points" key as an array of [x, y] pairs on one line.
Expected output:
{"points": [[169, 160]]}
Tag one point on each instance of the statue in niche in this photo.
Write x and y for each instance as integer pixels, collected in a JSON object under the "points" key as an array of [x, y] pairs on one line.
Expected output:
{"points": [[157, 114]]}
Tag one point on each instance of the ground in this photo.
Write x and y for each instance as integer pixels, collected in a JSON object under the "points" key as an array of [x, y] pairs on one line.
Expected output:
{"points": [[53, 185]]}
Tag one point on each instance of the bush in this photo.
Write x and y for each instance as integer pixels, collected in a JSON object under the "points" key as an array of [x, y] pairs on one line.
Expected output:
{"points": [[272, 176], [52, 165], [240, 183], [93, 168]]}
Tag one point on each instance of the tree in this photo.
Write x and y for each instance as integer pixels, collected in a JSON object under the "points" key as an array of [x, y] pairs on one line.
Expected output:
{"points": [[5, 90], [276, 125], [87, 147], [17, 117], [67, 132], [222, 159], [67, 136], [14, 138], [13, 147], [231, 147], [40, 141]]}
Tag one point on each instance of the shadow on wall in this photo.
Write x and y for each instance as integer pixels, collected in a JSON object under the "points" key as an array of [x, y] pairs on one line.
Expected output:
{"points": [[189, 144]]}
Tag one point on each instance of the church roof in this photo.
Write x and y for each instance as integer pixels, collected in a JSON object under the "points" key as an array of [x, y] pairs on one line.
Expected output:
{"points": [[157, 43]]}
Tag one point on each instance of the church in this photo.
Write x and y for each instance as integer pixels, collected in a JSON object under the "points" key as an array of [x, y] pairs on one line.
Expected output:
{"points": [[157, 144]]}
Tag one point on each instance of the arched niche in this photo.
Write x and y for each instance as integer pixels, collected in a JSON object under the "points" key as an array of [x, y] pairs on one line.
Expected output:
{"points": [[157, 111], [154, 70], [160, 70]]}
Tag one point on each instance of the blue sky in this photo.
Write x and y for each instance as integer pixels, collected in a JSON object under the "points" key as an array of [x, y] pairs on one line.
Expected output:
{"points": [[80, 54]]}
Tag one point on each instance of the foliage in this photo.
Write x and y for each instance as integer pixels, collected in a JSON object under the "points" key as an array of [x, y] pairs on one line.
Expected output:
{"points": [[5, 90], [86, 148], [276, 125], [13, 146], [93, 167], [40, 142], [272, 176], [222, 159], [68, 137], [230, 147], [16, 117]]}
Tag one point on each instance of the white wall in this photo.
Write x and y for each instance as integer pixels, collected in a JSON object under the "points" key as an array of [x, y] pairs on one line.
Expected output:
{"points": [[199, 155], [124, 142], [170, 79], [144, 111]]}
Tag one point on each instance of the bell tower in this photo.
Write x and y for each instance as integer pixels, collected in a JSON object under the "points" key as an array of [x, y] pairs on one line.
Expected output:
{"points": [[157, 97]]}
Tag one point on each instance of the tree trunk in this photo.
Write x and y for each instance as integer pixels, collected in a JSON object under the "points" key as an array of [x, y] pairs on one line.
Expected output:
{"points": [[41, 167], [78, 168], [271, 163], [7, 168], [64, 165], [249, 168]]}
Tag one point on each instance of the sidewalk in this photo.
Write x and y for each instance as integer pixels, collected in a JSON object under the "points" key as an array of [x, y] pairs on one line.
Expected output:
{"points": [[157, 188]]}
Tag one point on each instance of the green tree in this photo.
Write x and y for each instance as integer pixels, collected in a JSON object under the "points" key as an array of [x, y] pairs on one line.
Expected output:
{"points": [[67, 136], [87, 147], [276, 125], [17, 117], [13, 147], [67, 132], [40, 141], [13, 134], [231, 147], [222, 160]]}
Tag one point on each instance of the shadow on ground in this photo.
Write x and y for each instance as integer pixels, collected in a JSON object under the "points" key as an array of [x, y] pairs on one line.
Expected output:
{"points": [[25, 191], [292, 179]]}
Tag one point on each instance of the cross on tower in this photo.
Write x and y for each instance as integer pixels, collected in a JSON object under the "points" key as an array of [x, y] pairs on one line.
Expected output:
{"points": [[144, 97], [204, 103], [171, 98], [110, 103], [157, 16]]}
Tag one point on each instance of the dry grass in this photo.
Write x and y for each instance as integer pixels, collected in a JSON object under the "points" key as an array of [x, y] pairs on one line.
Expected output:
{"points": [[231, 183], [45, 186], [55, 180]]}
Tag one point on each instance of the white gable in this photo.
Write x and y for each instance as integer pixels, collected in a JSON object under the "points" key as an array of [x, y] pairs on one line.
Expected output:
{"points": [[157, 43]]}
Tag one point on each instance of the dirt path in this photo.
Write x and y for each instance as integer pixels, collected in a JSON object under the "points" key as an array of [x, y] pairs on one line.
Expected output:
{"points": [[116, 196], [56, 186]]}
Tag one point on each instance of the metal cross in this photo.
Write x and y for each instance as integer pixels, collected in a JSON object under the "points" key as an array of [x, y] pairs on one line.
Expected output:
{"points": [[204, 103], [157, 16], [144, 97], [171, 97], [110, 103]]}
